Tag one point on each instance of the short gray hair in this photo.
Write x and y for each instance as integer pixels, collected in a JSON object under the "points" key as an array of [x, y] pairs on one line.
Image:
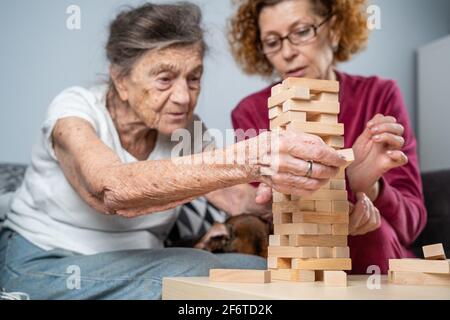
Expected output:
{"points": [[152, 27]]}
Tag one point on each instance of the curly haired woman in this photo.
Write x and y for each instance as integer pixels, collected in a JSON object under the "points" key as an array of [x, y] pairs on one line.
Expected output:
{"points": [[310, 39]]}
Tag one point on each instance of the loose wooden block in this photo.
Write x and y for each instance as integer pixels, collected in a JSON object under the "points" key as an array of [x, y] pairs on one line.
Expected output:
{"points": [[328, 195], [434, 252], [297, 93], [348, 155], [278, 240], [327, 96], [341, 252], [320, 217], [313, 84], [340, 206], [312, 107], [334, 141], [317, 241], [323, 206], [278, 263], [293, 275], [419, 265], [239, 276], [319, 129], [279, 197], [418, 278], [324, 118], [296, 228], [277, 89], [340, 230], [322, 264], [275, 112], [335, 278], [324, 253], [292, 252], [282, 218], [338, 184], [287, 117]]}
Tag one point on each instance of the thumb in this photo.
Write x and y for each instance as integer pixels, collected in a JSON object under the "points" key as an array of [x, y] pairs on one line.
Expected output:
{"points": [[263, 194]]}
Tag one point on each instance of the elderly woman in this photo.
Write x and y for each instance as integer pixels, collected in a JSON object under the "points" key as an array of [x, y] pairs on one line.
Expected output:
{"points": [[102, 191], [311, 38]]}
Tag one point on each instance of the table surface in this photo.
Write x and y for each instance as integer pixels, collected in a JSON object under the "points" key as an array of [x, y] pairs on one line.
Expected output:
{"points": [[357, 289]]}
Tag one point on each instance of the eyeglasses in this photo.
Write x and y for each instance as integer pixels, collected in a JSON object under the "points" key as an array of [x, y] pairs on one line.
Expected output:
{"points": [[301, 36]]}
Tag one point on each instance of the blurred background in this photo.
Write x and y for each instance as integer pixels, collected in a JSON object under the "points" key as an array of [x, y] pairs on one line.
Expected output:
{"points": [[40, 56]]}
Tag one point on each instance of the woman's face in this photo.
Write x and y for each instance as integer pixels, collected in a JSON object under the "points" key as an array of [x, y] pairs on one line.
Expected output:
{"points": [[164, 86], [313, 60]]}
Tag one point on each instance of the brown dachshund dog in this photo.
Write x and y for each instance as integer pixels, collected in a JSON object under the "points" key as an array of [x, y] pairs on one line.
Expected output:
{"points": [[246, 234]]}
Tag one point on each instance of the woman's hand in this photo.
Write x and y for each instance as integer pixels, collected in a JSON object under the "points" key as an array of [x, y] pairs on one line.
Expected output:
{"points": [[377, 151], [364, 216], [285, 166]]}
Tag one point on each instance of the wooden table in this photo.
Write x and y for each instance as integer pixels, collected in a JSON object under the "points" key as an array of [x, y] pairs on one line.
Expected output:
{"points": [[203, 289]]}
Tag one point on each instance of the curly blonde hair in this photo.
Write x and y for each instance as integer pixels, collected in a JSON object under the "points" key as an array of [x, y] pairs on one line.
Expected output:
{"points": [[244, 35]]}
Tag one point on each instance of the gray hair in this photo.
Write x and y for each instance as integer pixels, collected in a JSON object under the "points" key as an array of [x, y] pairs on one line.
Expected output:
{"points": [[152, 27]]}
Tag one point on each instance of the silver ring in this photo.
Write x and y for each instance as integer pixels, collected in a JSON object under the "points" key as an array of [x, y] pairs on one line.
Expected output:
{"points": [[310, 169]]}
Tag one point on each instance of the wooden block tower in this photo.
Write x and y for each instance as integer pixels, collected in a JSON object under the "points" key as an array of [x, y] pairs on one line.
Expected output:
{"points": [[310, 233]]}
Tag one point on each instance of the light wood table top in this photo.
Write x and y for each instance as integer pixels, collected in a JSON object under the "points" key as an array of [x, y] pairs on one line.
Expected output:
{"points": [[357, 289]]}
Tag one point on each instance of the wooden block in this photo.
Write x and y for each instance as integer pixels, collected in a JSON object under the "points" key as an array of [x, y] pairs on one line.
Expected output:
{"points": [[338, 184], [341, 173], [341, 252], [292, 252], [297, 93], [434, 252], [419, 278], [313, 84], [319, 217], [279, 197], [334, 141], [239, 276], [322, 264], [328, 195], [278, 263], [277, 89], [419, 265], [319, 129], [278, 240], [317, 241], [288, 206], [324, 253], [348, 155], [324, 118], [306, 205], [275, 112], [293, 275], [312, 107], [326, 186], [340, 230], [340, 206], [286, 118], [335, 278], [324, 206], [282, 218], [324, 229], [296, 228], [327, 96]]}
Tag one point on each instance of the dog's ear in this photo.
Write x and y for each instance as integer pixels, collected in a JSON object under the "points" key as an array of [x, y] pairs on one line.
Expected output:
{"points": [[215, 239]]}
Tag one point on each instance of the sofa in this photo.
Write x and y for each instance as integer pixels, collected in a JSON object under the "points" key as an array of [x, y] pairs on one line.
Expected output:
{"points": [[196, 217]]}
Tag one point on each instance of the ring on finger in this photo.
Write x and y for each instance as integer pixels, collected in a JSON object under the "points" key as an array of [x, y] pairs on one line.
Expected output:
{"points": [[310, 169]]}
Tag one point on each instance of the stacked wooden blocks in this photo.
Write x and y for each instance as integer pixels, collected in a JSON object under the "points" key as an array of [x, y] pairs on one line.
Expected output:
{"points": [[433, 270], [310, 233]]}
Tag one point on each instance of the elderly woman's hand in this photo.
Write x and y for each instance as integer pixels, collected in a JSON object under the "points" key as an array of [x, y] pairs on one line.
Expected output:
{"points": [[364, 216], [377, 151], [286, 169]]}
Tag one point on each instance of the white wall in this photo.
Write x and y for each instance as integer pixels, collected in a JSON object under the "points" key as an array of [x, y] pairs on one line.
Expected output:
{"points": [[39, 57], [434, 105]]}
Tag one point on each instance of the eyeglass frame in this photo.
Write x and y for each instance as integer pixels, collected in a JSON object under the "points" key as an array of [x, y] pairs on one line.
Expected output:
{"points": [[315, 27]]}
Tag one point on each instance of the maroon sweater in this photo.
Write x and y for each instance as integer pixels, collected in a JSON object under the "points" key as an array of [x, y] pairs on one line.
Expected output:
{"points": [[400, 200]]}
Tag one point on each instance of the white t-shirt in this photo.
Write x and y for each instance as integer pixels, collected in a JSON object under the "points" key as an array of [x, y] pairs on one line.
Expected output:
{"points": [[47, 211]]}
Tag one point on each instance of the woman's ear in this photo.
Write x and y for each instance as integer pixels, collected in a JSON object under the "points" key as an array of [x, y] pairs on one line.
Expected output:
{"points": [[119, 83], [335, 34]]}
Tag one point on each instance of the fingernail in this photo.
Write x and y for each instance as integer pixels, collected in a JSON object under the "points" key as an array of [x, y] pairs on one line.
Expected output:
{"points": [[374, 129], [376, 137], [390, 153]]}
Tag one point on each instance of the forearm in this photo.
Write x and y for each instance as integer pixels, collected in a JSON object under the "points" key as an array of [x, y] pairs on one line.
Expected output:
{"points": [[153, 186]]}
